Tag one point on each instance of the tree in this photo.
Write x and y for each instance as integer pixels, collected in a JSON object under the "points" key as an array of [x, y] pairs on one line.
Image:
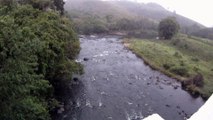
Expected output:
{"points": [[168, 27], [59, 4], [43, 4]]}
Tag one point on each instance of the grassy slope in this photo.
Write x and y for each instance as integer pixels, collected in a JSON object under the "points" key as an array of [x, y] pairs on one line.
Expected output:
{"points": [[189, 53]]}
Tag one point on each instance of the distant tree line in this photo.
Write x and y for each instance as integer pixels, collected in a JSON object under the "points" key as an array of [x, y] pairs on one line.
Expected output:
{"points": [[204, 33], [90, 24], [140, 27]]}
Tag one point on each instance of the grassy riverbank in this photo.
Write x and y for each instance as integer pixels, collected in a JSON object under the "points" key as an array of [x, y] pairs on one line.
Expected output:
{"points": [[181, 58]]}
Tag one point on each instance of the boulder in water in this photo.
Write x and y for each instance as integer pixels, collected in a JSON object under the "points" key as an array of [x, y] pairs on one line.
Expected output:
{"points": [[86, 59]]}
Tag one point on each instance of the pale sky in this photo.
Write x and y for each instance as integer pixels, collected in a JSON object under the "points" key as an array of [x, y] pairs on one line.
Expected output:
{"points": [[198, 10]]}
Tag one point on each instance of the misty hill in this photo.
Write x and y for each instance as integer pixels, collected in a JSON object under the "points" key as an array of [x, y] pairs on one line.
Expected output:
{"points": [[155, 12], [96, 7], [204, 33], [111, 15]]}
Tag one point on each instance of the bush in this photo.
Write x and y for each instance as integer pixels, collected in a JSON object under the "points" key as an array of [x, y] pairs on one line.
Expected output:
{"points": [[182, 71], [178, 55], [196, 69], [176, 41], [195, 59], [196, 81], [167, 66], [186, 46], [182, 63]]}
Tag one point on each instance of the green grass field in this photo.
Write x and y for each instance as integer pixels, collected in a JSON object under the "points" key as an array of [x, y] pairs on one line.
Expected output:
{"points": [[182, 58]]}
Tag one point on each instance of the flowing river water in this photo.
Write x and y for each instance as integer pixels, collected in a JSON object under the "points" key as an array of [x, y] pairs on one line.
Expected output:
{"points": [[117, 85]]}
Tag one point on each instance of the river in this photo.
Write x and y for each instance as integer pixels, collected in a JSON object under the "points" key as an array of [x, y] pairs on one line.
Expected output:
{"points": [[117, 85]]}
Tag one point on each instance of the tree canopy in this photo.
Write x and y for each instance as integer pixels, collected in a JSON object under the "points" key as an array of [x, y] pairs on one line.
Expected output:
{"points": [[37, 51], [168, 27]]}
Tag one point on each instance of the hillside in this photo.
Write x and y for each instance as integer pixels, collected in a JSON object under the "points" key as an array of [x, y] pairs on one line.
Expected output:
{"points": [[95, 7], [111, 12], [204, 33], [153, 11]]}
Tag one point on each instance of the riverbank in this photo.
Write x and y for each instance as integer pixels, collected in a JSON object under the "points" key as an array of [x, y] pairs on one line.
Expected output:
{"points": [[182, 58]]}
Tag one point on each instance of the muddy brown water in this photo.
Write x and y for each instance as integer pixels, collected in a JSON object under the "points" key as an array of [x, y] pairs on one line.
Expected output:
{"points": [[117, 85]]}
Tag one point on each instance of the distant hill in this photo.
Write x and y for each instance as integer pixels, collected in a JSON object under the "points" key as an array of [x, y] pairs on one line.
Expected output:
{"points": [[154, 11], [151, 13], [204, 33], [97, 8]]}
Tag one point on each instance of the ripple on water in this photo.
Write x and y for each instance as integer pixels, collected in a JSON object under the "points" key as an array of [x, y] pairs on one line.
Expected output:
{"points": [[133, 115], [88, 104], [78, 103], [93, 78], [100, 103]]}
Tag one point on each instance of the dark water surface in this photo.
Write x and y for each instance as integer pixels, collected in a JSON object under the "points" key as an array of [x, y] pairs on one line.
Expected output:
{"points": [[119, 86]]}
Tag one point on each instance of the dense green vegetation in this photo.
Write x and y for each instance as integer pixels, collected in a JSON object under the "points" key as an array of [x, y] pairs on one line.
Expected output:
{"points": [[134, 19], [37, 51], [168, 27], [189, 59]]}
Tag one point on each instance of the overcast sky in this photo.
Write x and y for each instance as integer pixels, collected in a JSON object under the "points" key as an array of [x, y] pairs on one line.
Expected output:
{"points": [[198, 10]]}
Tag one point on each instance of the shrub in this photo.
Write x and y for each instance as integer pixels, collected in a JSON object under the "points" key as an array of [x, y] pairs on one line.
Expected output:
{"points": [[182, 71], [167, 66], [186, 46], [178, 55], [176, 41], [196, 81], [195, 59], [182, 63], [196, 69]]}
